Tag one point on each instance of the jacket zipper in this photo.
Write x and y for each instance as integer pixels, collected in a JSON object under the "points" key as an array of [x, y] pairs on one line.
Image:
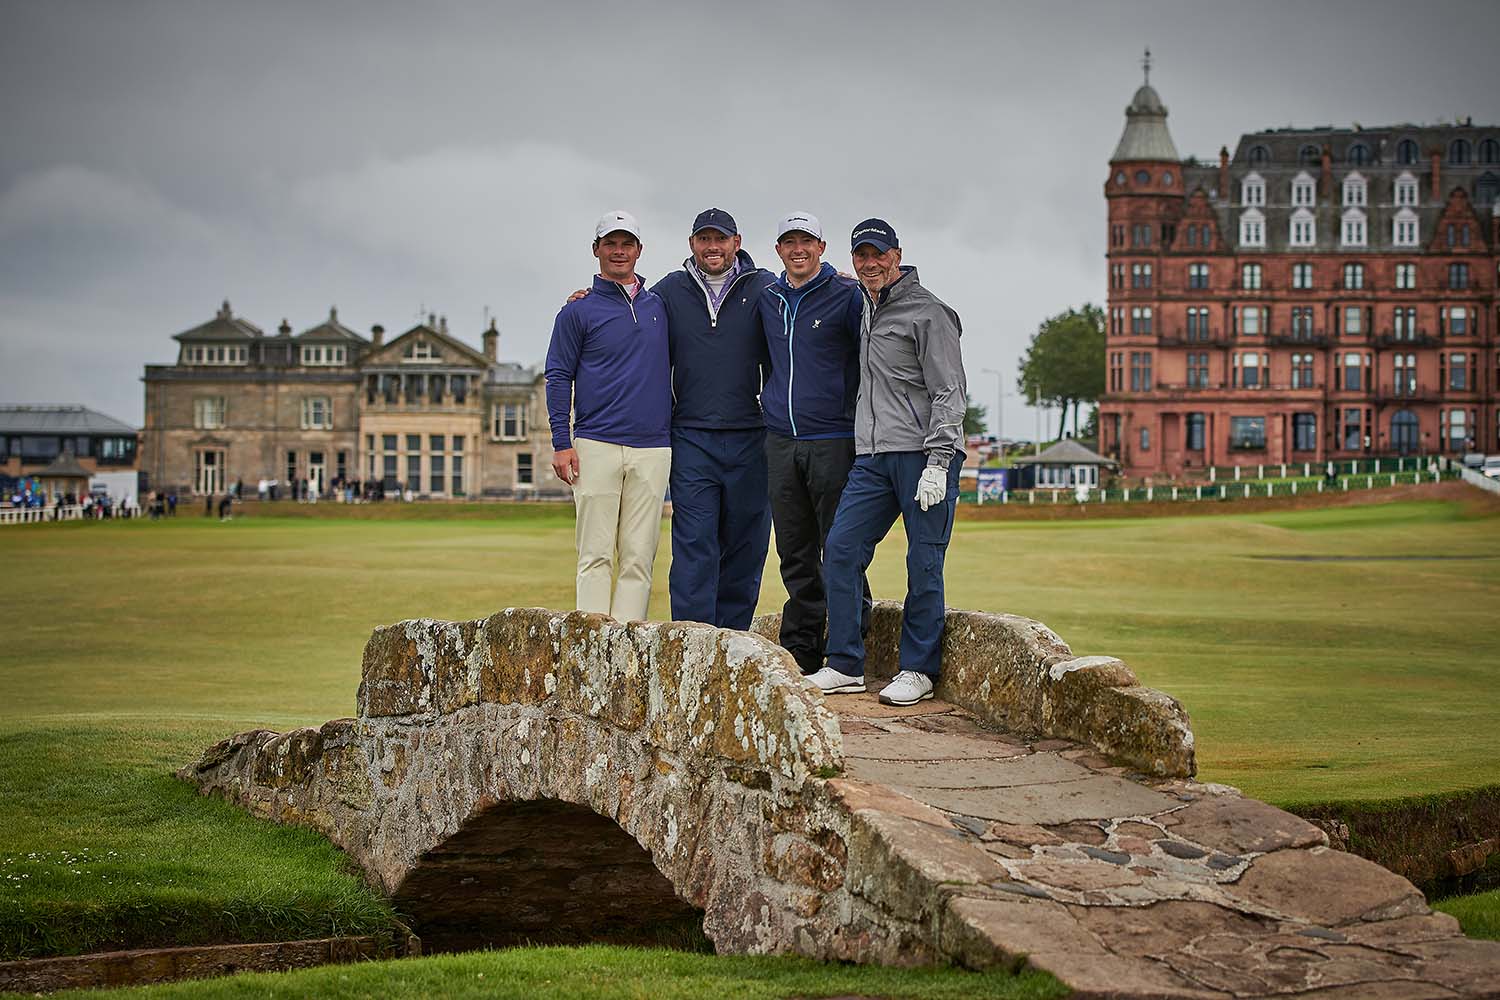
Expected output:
{"points": [[869, 345], [629, 302], [789, 324], [708, 300]]}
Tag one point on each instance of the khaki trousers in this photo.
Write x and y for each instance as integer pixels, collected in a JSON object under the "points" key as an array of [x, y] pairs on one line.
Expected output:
{"points": [[618, 495]]}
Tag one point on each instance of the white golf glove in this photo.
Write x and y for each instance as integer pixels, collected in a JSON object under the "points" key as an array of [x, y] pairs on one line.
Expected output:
{"points": [[932, 487]]}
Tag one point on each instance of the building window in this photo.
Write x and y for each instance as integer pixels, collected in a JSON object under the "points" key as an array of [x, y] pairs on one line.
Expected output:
{"points": [[1405, 321], [1252, 190], [1352, 429], [1358, 155], [1458, 372], [1247, 364], [1117, 276], [1309, 155], [1247, 433], [317, 413], [1302, 322], [1140, 371], [1190, 236], [1252, 228], [1117, 236], [1458, 276], [208, 472], [1303, 229], [1116, 371], [1489, 151], [1142, 177], [1302, 371], [1197, 275], [419, 350], [1140, 236], [1304, 432], [1404, 228], [323, 354], [1250, 277], [1250, 321], [1460, 152], [291, 469], [1303, 190], [1140, 319], [1302, 276], [1197, 371], [1457, 430], [1407, 152], [1457, 324], [342, 466], [1117, 320], [1145, 439], [208, 412], [1195, 431], [1197, 323], [1259, 155], [1353, 321], [1406, 190], [216, 354], [523, 469], [1404, 375], [1355, 191], [508, 421], [1140, 275], [1353, 231], [1354, 276], [1406, 277], [1352, 364]]}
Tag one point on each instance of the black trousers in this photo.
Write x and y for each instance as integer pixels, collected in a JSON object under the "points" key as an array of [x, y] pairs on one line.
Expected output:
{"points": [[806, 479]]}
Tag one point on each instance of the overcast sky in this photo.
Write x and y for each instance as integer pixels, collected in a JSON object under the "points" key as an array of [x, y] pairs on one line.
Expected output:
{"points": [[395, 158]]}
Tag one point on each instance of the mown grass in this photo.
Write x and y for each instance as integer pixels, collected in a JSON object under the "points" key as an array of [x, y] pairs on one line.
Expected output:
{"points": [[610, 973], [1479, 914]]}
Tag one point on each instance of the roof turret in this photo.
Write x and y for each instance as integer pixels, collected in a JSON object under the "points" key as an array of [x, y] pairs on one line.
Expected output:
{"points": [[1145, 136]]}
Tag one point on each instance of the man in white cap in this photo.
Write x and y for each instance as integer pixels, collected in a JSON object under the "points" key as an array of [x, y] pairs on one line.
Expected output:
{"points": [[608, 365]]}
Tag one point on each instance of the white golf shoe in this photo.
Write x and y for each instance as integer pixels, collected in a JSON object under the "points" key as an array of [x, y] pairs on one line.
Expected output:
{"points": [[830, 681], [908, 688]]}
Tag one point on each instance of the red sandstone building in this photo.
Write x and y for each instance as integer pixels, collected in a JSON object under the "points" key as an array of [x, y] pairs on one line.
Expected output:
{"points": [[1324, 293]]}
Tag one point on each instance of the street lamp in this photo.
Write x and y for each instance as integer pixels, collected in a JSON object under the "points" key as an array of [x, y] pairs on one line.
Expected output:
{"points": [[999, 407]]}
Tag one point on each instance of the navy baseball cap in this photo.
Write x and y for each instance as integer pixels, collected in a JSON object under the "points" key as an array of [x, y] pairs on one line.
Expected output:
{"points": [[716, 218], [877, 232]]}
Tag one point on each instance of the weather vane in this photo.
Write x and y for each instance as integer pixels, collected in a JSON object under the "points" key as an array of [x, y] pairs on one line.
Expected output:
{"points": [[1146, 64]]}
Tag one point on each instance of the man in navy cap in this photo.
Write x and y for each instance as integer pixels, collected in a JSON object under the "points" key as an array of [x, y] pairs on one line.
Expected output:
{"points": [[908, 425]]}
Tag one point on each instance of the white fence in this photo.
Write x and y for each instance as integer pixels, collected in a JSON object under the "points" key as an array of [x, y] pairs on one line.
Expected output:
{"points": [[1478, 479], [35, 515]]}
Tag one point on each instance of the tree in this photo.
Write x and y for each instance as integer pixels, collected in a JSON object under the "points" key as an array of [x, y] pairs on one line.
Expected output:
{"points": [[974, 420], [1064, 364]]}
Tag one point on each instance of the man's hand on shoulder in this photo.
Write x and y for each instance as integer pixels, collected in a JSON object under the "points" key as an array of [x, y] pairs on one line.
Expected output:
{"points": [[565, 465], [581, 293]]}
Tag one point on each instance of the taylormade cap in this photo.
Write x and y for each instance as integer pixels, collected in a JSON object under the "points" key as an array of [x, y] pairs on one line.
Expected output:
{"points": [[800, 222], [617, 222], [716, 218], [877, 232]]}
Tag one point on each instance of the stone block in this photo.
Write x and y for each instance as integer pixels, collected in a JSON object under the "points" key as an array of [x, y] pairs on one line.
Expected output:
{"points": [[392, 681], [905, 867], [1325, 887], [999, 933], [1237, 825], [523, 646]]}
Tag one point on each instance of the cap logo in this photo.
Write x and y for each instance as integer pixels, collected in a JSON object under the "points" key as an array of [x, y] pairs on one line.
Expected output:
{"points": [[872, 229]]}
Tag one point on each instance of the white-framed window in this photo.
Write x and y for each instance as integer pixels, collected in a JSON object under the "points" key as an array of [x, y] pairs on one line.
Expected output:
{"points": [[1404, 228], [317, 413], [1406, 277], [1253, 190], [420, 350], [1252, 228], [525, 473], [324, 354], [1406, 190], [1356, 190], [1252, 320], [1354, 276], [1354, 231], [1249, 373], [508, 421], [1304, 190], [1304, 229], [216, 354], [1250, 277], [208, 412], [1353, 320], [1456, 321], [1302, 276]]}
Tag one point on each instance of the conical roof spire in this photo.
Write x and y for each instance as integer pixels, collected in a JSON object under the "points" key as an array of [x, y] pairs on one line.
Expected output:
{"points": [[1145, 136]]}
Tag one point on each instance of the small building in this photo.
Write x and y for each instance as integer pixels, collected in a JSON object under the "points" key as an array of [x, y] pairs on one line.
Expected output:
{"points": [[34, 437], [64, 477], [1064, 466]]}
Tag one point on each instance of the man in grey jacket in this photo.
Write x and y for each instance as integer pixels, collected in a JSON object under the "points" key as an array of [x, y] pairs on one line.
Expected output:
{"points": [[908, 425]]}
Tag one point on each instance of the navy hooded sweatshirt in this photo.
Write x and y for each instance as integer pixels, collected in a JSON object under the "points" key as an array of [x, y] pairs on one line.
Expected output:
{"points": [[716, 357], [812, 339], [608, 363]]}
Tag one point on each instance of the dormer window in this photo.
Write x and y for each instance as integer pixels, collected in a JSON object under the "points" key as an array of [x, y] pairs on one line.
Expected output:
{"points": [[1404, 228], [1309, 155], [215, 354], [1303, 190], [324, 354], [1303, 231], [1407, 152], [1259, 156], [420, 350], [1252, 228], [1489, 151], [1406, 190], [1355, 190], [1354, 228], [1359, 154], [1253, 190], [1460, 152]]}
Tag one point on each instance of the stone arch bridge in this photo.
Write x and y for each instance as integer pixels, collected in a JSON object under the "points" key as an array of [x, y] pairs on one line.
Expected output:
{"points": [[536, 776]]}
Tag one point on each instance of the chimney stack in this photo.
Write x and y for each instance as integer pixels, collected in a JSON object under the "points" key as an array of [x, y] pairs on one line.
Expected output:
{"points": [[1325, 179], [492, 342], [285, 329], [377, 335], [1437, 175], [1224, 173]]}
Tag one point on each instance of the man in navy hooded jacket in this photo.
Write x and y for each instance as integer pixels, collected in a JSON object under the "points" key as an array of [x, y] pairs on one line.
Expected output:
{"points": [[721, 520], [811, 320]]}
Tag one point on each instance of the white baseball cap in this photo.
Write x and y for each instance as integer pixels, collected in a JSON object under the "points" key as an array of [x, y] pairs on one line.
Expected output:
{"points": [[617, 222], [799, 222]]}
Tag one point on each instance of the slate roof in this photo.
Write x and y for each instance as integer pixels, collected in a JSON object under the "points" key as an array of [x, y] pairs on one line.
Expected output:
{"points": [[1145, 136], [1067, 452], [225, 326], [510, 373], [60, 420], [331, 330], [64, 466]]}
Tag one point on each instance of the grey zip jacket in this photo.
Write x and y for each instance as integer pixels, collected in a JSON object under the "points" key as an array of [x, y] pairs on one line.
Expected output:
{"points": [[912, 391]]}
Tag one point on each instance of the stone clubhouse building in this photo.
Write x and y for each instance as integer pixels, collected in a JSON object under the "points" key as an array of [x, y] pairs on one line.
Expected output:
{"points": [[1323, 293], [324, 408]]}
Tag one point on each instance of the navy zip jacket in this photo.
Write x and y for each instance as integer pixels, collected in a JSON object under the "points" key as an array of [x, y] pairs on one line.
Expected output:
{"points": [[608, 362], [812, 337], [716, 354]]}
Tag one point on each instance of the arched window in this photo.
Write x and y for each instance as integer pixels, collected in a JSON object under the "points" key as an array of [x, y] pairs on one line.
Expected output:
{"points": [[1252, 228], [1352, 232], [1460, 152], [1303, 231], [1487, 189], [1355, 190], [1404, 228], [1359, 154], [1304, 189], [1406, 190], [1489, 151], [1407, 152], [1310, 155], [1259, 156], [1253, 190]]}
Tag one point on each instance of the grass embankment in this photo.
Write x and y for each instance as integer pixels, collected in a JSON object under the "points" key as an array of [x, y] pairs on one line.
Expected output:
{"points": [[610, 973], [133, 645]]}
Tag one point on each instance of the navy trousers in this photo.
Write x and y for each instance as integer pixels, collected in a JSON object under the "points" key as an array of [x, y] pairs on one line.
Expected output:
{"points": [[882, 488], [721, 525]]}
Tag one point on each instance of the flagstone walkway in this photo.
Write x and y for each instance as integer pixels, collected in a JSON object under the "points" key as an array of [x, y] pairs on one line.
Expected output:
{"points": [[1130, 887]]}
